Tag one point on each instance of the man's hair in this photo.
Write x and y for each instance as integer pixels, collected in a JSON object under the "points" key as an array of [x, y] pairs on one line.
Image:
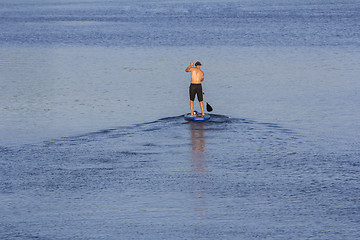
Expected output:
{"points": [[197, 63]]}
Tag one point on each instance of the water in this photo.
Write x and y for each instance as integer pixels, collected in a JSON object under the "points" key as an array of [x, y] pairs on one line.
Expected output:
{"points": [[181, 23], [93, 144]]}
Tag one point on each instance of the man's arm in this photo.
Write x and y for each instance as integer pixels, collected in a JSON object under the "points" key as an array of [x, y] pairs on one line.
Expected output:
{"points": [[188, 69]]}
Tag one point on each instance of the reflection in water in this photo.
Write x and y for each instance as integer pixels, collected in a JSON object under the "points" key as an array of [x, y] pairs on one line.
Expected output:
{"points": [[198, 146], [198, 163]]}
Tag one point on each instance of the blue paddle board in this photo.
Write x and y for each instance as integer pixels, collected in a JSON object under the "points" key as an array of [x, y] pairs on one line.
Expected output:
{"points": [[197, 117]]}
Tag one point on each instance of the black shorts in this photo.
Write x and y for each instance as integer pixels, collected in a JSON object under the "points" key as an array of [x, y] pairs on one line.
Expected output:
{"points": [[196, 89]]}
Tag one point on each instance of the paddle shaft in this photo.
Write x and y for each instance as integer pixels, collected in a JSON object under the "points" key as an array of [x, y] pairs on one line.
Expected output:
{"points": [[208, 107]]}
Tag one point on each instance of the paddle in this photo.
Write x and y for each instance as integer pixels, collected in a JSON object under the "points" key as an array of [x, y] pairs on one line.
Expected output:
{"points": [[208, 107]]}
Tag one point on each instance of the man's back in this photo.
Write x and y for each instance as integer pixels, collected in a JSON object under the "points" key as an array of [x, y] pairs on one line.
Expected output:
{"points": [[197, 76]]}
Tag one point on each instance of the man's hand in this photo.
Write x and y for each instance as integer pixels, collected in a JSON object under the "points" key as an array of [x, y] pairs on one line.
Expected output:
{"points": [[188, 69]]}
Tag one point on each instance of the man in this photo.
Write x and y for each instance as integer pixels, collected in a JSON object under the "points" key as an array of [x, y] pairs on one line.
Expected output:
{"points": [[197, 76]]}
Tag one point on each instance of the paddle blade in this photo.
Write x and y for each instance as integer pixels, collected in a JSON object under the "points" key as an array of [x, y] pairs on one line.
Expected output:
{"points": [[208, 107]]}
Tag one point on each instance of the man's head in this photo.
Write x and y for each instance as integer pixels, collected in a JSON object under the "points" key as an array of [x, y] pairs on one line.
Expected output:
{"points": [[197, 64]]}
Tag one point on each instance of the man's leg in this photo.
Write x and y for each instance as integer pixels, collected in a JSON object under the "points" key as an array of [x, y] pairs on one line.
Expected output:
{"points": [[191, 107], [202, 107]]}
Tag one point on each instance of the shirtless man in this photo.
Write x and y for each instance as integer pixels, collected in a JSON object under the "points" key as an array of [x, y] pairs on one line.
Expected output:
{"points": [[197, 76]]}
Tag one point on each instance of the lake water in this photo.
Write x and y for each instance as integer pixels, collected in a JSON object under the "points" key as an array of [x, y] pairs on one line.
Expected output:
{"points": [[93, 144]]}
